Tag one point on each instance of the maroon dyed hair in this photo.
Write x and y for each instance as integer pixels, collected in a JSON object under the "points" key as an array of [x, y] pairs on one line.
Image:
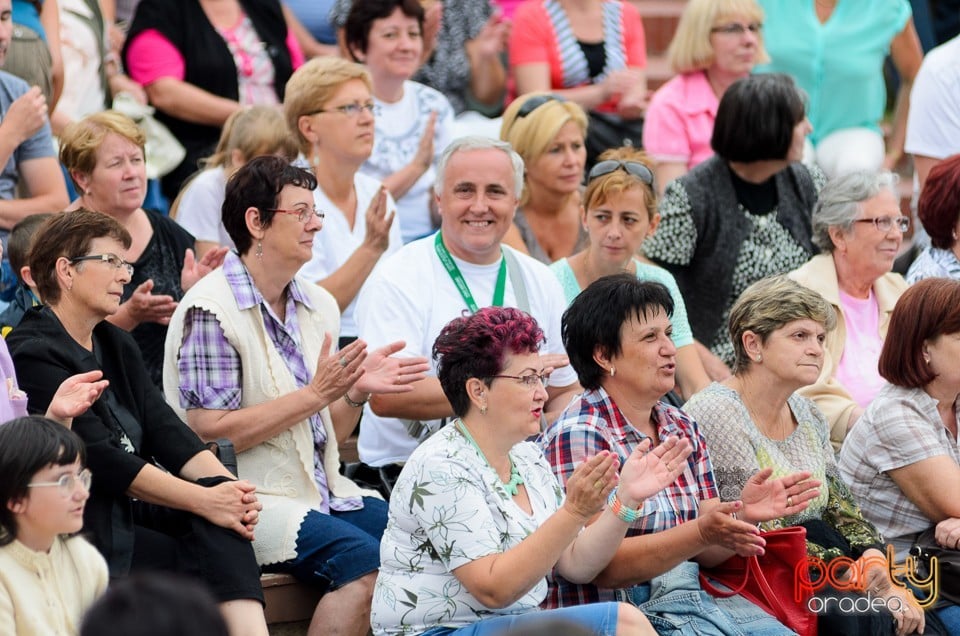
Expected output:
{"points": [[939, 204], [476, 347], [927, 310]]}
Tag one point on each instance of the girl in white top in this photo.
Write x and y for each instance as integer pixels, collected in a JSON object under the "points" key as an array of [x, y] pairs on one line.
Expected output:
{"points": [[47, 578]]}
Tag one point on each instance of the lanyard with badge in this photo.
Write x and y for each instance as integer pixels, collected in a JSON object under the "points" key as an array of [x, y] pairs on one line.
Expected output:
{"points": [[461, 284]]}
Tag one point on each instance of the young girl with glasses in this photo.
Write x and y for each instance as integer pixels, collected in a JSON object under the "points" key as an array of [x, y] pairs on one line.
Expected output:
{"points": [[48, 578]]}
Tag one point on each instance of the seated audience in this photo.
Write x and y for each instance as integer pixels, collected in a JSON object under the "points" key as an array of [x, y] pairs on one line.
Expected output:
{"points": [[548, 133], [477, 520], [200, 60], [461, 268], [329, 108], [619, 211], [901, 459], [414, 122], [191, 515], [617, 333], [939, 211], [104, 154], [18, 249], [48, 575], [249, 357], [858, 226], [716, 43], [755, 420], [249, 132], [741, 215]]}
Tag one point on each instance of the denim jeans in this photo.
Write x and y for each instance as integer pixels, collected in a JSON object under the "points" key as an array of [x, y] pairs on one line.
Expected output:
{"points": [[676, 605], [599, 618]]}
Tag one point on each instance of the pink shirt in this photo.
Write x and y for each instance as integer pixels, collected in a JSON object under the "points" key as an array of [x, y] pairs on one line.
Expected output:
{"points": [[680, 119], [857, 371]]}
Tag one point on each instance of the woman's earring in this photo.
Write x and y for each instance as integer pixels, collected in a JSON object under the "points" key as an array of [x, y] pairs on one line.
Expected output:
{"points": [[259, 253], [483, 409], [759, 358], [613, 371]]}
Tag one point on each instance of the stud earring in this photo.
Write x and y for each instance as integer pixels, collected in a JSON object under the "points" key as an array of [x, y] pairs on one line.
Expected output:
{"points": [[759, 358], [613, 371]]}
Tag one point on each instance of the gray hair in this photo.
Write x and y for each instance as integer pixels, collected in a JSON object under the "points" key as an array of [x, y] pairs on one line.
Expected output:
{"points": [[478, 142], [839, 202]]}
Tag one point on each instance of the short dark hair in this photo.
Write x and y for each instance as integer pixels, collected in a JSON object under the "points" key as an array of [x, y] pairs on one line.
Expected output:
{"points": [[21, 236], [155, 604], [27, 446], [756, 118], [257, 184], [939, 204], [476, 346], [69, 235], [928, 309], [356, 30], [594, 318]]}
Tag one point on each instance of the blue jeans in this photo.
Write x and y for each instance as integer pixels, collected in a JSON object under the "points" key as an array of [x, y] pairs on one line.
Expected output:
{"points": [[950, 617], [599, 618], [337, 548], [676, 605]]}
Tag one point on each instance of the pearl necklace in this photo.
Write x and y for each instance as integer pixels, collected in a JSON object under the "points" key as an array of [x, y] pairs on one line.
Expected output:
{"points": [[515, 479]]}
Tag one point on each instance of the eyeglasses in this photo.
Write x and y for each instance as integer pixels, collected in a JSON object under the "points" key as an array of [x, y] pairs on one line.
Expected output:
{"points": [[635, 168], [68, 483], [528, 380], [735, 28], [303, 214], [115, 261], [534, 103], [884, 223], [350, 110]]}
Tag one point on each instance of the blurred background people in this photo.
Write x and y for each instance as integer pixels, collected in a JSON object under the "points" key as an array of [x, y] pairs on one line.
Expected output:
{"points": [[939, 211]]}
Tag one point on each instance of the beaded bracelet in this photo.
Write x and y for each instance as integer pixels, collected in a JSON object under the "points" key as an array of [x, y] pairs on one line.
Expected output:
{"points": [[354, 403], [627, 515]]}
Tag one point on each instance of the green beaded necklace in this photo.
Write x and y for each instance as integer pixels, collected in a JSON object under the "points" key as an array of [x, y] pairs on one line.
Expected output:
{"points": [[515, 478]]}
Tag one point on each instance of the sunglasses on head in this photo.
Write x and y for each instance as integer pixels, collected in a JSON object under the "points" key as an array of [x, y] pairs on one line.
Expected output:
{"points": [[534, 103], [635, 168]]}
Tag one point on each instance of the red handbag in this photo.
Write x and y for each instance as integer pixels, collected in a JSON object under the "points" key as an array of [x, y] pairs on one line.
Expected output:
{"points": [[768, 581]]}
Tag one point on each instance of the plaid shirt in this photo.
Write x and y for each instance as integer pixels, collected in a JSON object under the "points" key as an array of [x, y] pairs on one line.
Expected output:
{"points": [[594, 423], [211, 369]]}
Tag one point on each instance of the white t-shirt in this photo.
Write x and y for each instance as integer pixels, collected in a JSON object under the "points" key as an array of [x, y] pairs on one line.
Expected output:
{"points": [[334, 244], [411, 297], [200, 207], [397, 134], [933, 125]]}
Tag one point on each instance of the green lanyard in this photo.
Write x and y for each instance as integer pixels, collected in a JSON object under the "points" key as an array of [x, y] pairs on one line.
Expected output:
{"points": [[461, 284]]}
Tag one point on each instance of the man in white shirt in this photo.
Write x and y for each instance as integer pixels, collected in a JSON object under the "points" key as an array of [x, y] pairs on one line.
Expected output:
{"points": [[933, 126]]}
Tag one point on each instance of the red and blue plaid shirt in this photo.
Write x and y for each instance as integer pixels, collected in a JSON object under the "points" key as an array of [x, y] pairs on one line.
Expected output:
{"points": [[592, 424]]}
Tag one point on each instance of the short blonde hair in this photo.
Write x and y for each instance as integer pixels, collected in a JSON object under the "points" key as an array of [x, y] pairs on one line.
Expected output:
{"points": [[532, 134], [81, 140], [253, 131], [690, 50], [602, 188], [312, 85]]}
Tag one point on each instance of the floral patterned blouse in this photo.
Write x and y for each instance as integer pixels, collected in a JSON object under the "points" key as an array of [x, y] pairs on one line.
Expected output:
{"points": [[449, 508]]}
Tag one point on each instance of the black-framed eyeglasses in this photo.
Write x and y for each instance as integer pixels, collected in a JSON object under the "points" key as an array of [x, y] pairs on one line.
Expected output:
{"points": [[350, 110], [635, 168], [735, 28], [115, 261], [303, 214], [884, 223], [67, 483], [534, 103], [529, 380]]}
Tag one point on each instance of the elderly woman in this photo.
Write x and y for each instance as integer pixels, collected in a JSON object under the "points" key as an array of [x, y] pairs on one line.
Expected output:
{"points": [[939, 211], [741, 215], [755, 420], [548, 133], [617, 334], [901, 459], [329, 107], [858, 226], [191, 515], [104, 154], [414, 122], [716, 43], [619, 211], [477, 520], [249, 358]]}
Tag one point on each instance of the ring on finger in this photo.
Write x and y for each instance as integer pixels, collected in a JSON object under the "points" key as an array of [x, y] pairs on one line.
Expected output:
{"points": [[343, 361], [598, 484], [789, 502]]}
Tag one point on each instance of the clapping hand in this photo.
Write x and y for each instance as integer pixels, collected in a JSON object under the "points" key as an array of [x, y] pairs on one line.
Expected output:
{"points": [[193, 270], [721, 528], [384, 373], [76, 395], [765, 499], [644, 474], [590, 484]]}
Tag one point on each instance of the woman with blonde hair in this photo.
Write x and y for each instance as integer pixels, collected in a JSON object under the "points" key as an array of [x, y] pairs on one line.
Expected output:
{"points": [[329, 107], [249, 132], [717, 42], [548, 131]]}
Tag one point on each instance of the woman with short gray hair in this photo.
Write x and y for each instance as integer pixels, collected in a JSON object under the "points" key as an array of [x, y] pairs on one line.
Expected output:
{"points": [[858, 225]]}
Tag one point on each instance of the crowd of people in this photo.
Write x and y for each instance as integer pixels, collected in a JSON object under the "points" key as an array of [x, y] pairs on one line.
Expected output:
{"points": [[596, 344]]}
